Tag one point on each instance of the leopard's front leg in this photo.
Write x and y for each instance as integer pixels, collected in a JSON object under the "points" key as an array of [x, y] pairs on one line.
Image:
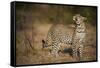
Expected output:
{"points": [[75, 53], [81, 47]]}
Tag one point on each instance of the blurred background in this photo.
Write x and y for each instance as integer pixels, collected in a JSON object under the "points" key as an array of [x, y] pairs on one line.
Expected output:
{"points": [[33, 22]]}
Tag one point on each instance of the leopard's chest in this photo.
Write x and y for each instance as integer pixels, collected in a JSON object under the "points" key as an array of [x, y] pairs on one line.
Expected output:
{"points": [[80, 31], [80, 35]]}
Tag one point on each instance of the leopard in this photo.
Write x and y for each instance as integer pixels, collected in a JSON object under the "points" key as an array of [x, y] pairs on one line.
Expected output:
{"points": [[57, 34]]}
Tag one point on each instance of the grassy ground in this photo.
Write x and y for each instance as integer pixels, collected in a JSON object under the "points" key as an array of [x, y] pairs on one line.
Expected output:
{"points": [[36, 55]]}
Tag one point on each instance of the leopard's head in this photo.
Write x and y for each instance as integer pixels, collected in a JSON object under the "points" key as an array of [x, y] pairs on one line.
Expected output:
{"points": [[79, 19]]}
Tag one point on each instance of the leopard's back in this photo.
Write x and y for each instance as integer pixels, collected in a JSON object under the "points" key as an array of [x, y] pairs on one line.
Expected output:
{"points": [[60, 32]]}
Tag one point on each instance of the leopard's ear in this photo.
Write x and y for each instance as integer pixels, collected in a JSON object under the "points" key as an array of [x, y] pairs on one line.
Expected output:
{"points": [[74, 18]]}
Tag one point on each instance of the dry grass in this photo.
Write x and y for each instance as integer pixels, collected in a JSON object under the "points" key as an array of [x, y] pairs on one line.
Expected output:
{"points": [[26, 55]]}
